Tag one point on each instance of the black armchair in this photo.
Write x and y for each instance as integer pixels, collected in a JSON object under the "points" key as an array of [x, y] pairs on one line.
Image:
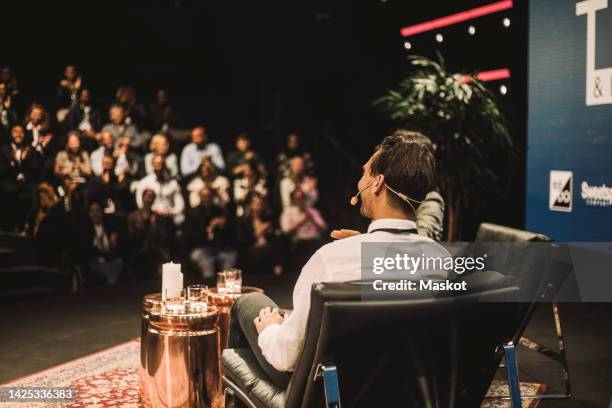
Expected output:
{"points": [[409, 353]]}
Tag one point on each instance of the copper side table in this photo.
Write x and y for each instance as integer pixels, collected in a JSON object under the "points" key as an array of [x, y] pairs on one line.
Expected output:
{"points": [[223, 303], [182, 360]]}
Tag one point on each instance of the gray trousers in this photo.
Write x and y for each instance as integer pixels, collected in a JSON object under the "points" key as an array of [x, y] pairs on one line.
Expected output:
{"points": [[243, 333]]}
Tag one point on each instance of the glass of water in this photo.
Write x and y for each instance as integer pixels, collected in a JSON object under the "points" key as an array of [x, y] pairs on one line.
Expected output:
{"points": [[233, 281], [174, 302], [221, 283], [197, 298]]}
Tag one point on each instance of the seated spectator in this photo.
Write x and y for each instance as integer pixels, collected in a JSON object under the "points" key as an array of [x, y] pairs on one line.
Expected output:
{"points": [[119, 128], [237, 159], [135, 112], [86, 118], [160, 146], [8, 117], [148, 238], [67, 92], [37, 124], [291, 150], [169, 200], [129, 162], [73, 162], [208, 232], [109, 188], [208, 177], [20, 167], [255, 233], [192, 154], [7, 78], [163, 114], [100, 250], [304, 225], [251, 182], [106, 148], [298, 178]]}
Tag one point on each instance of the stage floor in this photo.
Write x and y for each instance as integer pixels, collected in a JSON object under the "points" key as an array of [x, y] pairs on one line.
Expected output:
{"points": [[46, 331]]}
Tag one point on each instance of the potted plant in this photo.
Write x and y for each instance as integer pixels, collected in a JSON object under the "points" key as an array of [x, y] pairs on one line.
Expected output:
{"points": [[465, 123]]}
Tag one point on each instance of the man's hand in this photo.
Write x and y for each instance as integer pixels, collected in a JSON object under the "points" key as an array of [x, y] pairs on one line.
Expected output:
{"points": [[343, 233], [267, 316]]}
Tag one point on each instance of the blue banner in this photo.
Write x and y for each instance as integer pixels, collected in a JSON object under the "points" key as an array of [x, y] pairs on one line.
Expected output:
{"points": [[569, 156]]}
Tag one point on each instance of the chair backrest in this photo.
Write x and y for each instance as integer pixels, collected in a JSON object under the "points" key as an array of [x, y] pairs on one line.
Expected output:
{"points": [[409, 353]]}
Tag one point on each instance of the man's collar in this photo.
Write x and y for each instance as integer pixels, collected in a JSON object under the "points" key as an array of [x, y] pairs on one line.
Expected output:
{"points": [[394, 223]]}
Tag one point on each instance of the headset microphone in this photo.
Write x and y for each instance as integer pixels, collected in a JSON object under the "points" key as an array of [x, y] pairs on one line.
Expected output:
{"points": [[355, 198]]}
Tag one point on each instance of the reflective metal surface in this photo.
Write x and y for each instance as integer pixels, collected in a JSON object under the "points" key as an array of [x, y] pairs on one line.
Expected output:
{"points": [[180, 365], [223, 303]]}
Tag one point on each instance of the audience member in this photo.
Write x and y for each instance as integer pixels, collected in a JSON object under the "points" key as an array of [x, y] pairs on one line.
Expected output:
{"points": [[106, 148], [163, 114], [86, 118], [209, 234], [238, 159], [292, 149], [8, 117], [251, 182], [298, 178], [129, 162], [148, 238], [304, 225], [208, 177], [169, 200], [7, 78], [160, 146], [20, 167], [192, 154], [73, 162], [135, 112], [259, 246], [67, 92], [109, 188], [100, 247], [37, 124], [119, 128]]}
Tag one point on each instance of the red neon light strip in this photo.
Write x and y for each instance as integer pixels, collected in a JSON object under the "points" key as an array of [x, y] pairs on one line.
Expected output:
{"points": [[493, 75], [456, 18]]}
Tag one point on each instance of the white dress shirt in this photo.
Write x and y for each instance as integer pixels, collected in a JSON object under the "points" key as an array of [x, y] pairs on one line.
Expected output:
{"points": [[338, 261], [191, 157], [168, 196]]}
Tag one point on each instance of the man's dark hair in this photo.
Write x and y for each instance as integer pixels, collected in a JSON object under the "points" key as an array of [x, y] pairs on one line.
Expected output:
{"points": [[406, 160]]}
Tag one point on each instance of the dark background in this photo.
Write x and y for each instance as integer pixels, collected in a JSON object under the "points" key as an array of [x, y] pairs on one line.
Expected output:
{"points": [[269, 67]]}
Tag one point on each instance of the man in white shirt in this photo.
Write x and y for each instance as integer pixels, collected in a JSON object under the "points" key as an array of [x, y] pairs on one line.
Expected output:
{"points": [[169, 200], [191, 157], [395, 179]]}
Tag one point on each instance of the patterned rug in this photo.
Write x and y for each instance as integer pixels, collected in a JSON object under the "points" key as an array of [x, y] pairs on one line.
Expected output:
{"points": [[109, 378]]}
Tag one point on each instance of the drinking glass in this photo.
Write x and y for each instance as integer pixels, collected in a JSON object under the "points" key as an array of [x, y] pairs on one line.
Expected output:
{"points": [[221, 283], [197, 298], [233, 281], [174, 302]]}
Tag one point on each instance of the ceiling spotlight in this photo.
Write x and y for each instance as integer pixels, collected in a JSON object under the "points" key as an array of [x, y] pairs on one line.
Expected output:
{"points": [[503, 89], [506, 22], [472, 30], [407, 45], [439, 38]]}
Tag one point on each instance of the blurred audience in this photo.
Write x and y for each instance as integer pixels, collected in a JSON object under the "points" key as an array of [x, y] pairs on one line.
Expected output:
{"points": [[292, 149], [192, 154], [149, 235], [120, 128], [255, 234], [67, 92], [86, 118], [8, 117], [238, 159], [208, 233], [298, 178], [209, 177], [250, 182], [169, 200], [160, 146]]}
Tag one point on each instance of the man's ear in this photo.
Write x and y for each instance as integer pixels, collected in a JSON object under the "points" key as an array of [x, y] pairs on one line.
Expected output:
{"points": [[379, 184]]}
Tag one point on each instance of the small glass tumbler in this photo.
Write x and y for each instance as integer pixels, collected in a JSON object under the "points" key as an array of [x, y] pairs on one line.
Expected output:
{"points": [[233, 281], [221, 283], [197, 298], [174, 302]]}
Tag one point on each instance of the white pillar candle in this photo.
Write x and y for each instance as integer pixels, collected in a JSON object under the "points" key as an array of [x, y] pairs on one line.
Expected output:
{"points": [[172, 278]]}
